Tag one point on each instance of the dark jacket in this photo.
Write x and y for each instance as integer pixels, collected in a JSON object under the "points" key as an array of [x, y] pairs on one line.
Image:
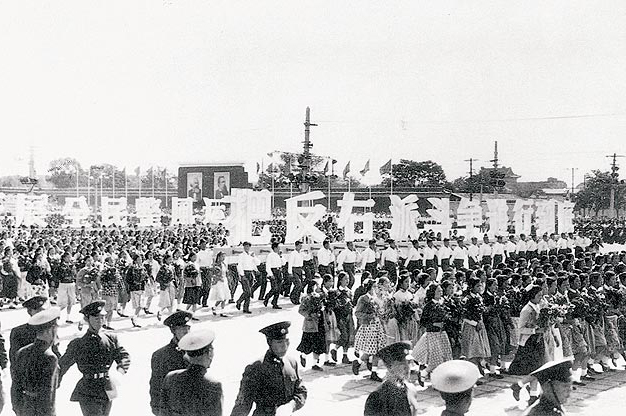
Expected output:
{"points": [[36, 380], [164, 360], [93, 353], [388, 399], [191, 392], [543, 407], [270, 383], [136, 277]]}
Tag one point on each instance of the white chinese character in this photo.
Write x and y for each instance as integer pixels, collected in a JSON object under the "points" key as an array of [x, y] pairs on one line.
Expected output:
{"points": [[470, 215], [566, 217], [498, 215], [405, 215], [347, 219], [545, 217], [523, 216], [301, 219]]}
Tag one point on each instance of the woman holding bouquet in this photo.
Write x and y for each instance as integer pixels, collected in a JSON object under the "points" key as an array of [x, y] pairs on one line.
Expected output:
{"points": [[220, 292], [179, 266], [191, 277], [474, 341], [433, 348], [370, 337], [313, 337], [530, 352], [454, 316], [345, 321], [403, 325]]}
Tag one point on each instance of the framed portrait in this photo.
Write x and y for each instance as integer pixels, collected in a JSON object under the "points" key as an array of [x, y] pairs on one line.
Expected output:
{"points": [[221, 184], [194, 186]]}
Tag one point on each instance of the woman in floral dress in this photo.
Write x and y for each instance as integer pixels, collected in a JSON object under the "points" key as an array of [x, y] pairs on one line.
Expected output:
{"points": [[220, 292], [474, 341], [433, 348]]}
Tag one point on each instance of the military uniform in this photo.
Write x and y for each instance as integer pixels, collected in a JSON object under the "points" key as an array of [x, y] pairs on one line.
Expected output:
{"points": [[166, 359], [36, 373], [192, 392], [389, 399], [94, 353], [271, 381], [543, 407], [554, 371]]}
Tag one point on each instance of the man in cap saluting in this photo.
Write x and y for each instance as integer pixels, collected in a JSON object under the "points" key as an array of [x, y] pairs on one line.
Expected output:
{"points": [[261, 378], [94, 353], [455, 381], [555, 378], [169, 357], [192, 391], [396, 395], [36, 373]]}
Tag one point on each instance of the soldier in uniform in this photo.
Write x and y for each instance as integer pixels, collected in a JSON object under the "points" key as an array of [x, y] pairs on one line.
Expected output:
{"points": [[555, 378], [455, 381], [36, 373], [396, 395], [94, 353], [192, 391], [169, 357], [273, 382], [24, 335]]}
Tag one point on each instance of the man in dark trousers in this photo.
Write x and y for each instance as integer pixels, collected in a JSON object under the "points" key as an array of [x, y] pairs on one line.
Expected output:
{"points": [[396, 395], [94, 353], [272, 383], [169, 357], [24, 335], [455, 381], [36, 373], [192, 391]]}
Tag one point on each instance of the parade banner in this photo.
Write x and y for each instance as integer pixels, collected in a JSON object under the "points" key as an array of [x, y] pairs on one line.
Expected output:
{"points": [[148, 212], [182, 211], [469, 214], [522, 216], [76, 211], [439, 215], [565, 216], [114, 212], [404, 217], [28, 209], [301, 219], [348, 219]]}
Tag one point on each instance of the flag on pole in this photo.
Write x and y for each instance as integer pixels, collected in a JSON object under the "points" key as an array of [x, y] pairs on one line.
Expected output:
{"points": [[386, 168], [326, 168], [366, 168], [346, 170], [258, 168]]}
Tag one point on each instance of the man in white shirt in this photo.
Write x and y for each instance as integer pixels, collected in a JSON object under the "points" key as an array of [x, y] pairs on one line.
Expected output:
{"points": [[473, 254], [414, 257], [552, 245], [204, 260], [369, 258], [294, 269], [459, 255], [444, 254], [531, 247], [274, 267], [389, 260], [543, 246], [520, 247], [509, 248], [430, 253], [497, 251], [561, 244], [346, 261], [246, 266], [325, 259]]}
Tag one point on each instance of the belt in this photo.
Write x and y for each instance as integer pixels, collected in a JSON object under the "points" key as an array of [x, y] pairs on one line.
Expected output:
{"points": [[96, 375]]}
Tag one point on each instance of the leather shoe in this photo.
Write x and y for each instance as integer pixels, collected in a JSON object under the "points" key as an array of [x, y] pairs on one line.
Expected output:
{"points": [[355, 367], [516, 390], [345, 360], [276, 307], [333, 354], [247, 312], [302, 360]]}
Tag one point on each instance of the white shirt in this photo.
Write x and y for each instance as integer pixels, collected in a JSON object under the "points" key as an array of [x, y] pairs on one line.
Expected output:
{"points": [[509, 247], [412, 255], [346, 256], [521, 246], [273, 261], [246, 263], [324, 257], [543, 246], [154, 267], [444, 253], [368, 256], [498, 248], [204, 258], [296, 259], [552, 244], [485, 249], [390, 254], [472, 251], [561, 243], [531, 245], [460, 253], [429, 253]]}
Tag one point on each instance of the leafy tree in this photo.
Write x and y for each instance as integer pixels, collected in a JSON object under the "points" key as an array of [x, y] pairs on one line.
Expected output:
{"points": [[62, 173], [596, 194], [410, 173]]}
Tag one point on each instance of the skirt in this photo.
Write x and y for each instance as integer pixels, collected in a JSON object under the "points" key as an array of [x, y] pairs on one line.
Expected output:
{"points": [[496, 335], [313, 342], [151, 289], [219, 292], [579, 345], [474, 343], [590, 339], [167, 296], [529, 356], [370, 338], [346, 331], [514, 332], [331, 329], [191, 295], [432, 349], [613, 343], [566, 339]]}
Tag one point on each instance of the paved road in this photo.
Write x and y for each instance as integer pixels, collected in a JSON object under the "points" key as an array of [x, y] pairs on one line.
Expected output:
{"points": [[335, 392]]}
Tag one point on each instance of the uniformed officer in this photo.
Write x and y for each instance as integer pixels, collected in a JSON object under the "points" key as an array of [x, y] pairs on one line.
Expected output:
{"points": [[396, 395], [455, 381], [273, 382], [169, 357], [94, 353], [36, 373], [555, 378], [24, 335], [192, 391]]}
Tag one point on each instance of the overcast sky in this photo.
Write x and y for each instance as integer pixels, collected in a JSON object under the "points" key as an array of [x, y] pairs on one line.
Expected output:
{"points": [[169, 82]]}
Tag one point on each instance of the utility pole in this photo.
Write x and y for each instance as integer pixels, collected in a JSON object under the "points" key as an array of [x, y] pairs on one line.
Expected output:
{"points": [[572, 194], [495, 174], [305, 166], [471, 177], [614, 176]]}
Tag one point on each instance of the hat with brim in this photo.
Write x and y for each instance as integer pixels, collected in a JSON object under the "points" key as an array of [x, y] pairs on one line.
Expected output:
{"points": [[396, 352], [45, 319], [35, 302], [196, 340], [454, 376], [276, 331], [178, 318], [558, 370], [94, 309]]}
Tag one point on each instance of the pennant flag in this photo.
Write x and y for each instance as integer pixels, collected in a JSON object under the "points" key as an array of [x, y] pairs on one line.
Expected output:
{"points": [[346, 170], [386, 168], [258, 168], [366, 168], [326, 168]]}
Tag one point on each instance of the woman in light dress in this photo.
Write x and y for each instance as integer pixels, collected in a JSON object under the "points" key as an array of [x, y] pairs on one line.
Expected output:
{"points": [[220, 292]]}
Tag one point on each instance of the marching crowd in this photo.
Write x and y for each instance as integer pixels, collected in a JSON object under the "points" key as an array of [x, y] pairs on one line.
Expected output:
{"points": [[510, 306]]}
